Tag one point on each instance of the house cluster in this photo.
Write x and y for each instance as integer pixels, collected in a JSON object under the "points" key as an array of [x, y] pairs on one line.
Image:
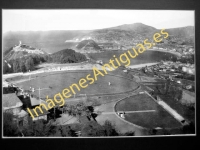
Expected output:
{"points": [[185, 49], [99, 62], [173, 71], [170, 70], [182, 49], [16, 100], [171, 67], [111, 46]]}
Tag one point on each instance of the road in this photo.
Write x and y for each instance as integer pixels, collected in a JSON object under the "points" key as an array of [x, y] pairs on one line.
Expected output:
{"points": [[123, 126]]}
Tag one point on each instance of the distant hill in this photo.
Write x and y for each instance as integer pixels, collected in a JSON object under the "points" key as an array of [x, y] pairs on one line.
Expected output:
{"points": [[88, 45], [182, 31], [184, 35], [50, 41], [127, 34], [111, 36], [136, 33], [123, 34], [139, 28]]}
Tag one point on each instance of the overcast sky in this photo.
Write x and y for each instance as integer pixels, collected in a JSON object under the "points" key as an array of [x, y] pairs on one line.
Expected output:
{"points": [[88, 19]]}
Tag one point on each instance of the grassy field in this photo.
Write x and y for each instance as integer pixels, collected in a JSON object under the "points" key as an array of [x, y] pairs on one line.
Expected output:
{"points": [[60, 80], [159, 118], [184, 111], [105, 99]]}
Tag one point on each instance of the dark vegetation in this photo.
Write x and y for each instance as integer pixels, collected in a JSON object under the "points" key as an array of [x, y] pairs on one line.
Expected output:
{"points": [[23, 64], [187, 59], [186, 129], [9, 89], [9, 126], [42, 128], [26, 63], [66, 56]]}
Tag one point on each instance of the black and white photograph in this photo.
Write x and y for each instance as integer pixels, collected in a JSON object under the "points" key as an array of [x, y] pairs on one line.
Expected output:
{"points": [[101, 73]]}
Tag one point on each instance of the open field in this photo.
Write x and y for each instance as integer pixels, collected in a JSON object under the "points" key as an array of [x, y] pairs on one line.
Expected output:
{"points": [[108, 113], [148, 119], [60, 80], [184, 111]]}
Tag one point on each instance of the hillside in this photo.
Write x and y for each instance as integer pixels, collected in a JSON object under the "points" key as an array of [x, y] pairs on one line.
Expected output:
{"points": [[127, 34], [182, 31], [87, 45], [22, 50], [139, 28], [66, 56], [135, 33], [185, 35], [112, 36], [22, 58]]}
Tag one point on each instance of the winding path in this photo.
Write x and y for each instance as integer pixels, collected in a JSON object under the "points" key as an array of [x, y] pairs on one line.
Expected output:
{"points": [[109, 113]]}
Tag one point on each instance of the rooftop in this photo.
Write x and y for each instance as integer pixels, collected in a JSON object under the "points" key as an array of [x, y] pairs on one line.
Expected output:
{"points": [[35, 101], [10, 100], [45, 112]]}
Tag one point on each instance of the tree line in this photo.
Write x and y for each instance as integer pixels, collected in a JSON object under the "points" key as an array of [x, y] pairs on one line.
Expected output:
{"points": [[42, 128], [22, 64]]}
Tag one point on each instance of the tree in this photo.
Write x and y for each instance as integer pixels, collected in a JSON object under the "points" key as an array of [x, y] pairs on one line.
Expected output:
{"points": [[80, 109], [39, 128], [92, 128], [22, 66], [129, 133], [66, 131], [166, 131], [9, 126], [188, 129], [152, 131], [16, 67], [29, 63], [5, 68], [109, 129]]}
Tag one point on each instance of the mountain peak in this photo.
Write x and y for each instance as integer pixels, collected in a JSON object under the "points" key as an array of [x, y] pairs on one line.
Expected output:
{"points": [[136, 27]]}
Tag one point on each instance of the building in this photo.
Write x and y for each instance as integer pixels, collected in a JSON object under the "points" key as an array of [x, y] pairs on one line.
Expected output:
{"points": [[36, 102], [31, 102], [188, 70], [40, 114], [112, 46], [23, 118], [188, 98], [99, 62]]}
